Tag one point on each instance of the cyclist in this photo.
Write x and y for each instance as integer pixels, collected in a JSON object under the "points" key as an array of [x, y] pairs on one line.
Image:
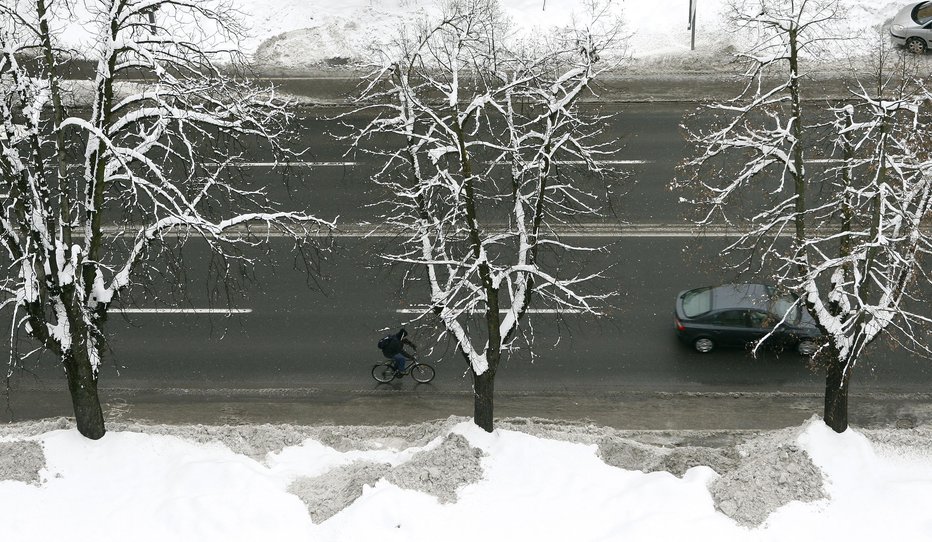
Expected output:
{"points": [[393, 348]]}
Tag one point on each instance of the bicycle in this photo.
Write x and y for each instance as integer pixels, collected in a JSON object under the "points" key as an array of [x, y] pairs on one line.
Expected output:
{"points": [[385, 372]]}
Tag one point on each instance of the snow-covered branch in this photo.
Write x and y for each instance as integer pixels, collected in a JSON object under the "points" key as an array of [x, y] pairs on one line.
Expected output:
{"points": [[485, 123], [153, 160], [860, 233]]}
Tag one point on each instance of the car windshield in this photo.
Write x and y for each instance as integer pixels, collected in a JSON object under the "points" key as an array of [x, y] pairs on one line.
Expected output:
{"points": [[923, 13], [696, 302]]}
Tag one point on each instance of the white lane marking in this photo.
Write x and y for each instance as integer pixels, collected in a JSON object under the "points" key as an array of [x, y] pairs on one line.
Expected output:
{"points": [[633, 162], [592, 229], [502, 311], [184, 311], [350, 164], [292, 164], [607, 162]]}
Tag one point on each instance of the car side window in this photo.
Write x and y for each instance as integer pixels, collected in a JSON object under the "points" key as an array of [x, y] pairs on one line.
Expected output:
{"points": [[762, 320], [732, 318], [923, 14]]}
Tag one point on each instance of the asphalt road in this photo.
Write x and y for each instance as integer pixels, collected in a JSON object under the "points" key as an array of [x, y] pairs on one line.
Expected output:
{"points": [[284, 344], [293, 335]]}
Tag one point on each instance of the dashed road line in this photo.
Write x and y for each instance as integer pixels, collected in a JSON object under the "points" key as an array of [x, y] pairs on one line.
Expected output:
{"points": [[502, 311], [131, 310]]}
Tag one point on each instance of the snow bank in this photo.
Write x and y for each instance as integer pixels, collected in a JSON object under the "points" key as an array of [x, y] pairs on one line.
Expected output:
{"points": [[296, 35], [449, 480], [299, 35]]}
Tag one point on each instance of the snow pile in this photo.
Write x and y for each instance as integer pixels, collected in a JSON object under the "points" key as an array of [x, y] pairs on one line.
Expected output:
{"points": [[298, 36], [330, 493], [295, 35], [770, 474], [439, 471], [534, 481], [21, 461], [626, 453], [756, 477]]}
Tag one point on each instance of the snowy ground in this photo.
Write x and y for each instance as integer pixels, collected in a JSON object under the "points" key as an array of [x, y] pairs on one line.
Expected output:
{"points": [[296, 36], [448, 480]]}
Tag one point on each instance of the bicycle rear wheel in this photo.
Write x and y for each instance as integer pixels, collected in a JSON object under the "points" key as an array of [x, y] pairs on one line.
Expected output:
{"points": [[383, 372], [422, 373]]}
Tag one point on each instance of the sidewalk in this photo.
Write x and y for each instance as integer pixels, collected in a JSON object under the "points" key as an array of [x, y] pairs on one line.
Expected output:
{"points": [[619, 410], [335, 88]]}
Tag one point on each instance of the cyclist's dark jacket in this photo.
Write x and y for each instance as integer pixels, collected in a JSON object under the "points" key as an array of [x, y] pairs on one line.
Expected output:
{"points": [[396, 344]]}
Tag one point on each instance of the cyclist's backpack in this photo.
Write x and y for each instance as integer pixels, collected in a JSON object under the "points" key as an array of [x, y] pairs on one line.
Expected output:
{"points": [[384, 341]]}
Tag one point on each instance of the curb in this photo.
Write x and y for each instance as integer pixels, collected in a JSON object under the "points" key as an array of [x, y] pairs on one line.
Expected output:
{"points": [[332, 89], [637, 411], [335, 89]]}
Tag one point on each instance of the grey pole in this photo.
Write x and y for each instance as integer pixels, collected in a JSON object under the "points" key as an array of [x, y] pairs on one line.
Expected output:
{"points": [[692, 24]]}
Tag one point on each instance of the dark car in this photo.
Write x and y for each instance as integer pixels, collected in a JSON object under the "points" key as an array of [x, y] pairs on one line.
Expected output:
{"points": [[741, 314], [912, 27]]}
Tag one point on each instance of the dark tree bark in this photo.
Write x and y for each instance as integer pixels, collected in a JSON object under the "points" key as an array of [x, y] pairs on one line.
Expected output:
{"points": [[836, 394], [484, 390], [82, 383]]}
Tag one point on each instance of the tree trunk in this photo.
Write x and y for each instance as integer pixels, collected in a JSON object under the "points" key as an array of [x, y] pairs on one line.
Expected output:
{"points": [[483, 389], [82, 383], [836, 395]]}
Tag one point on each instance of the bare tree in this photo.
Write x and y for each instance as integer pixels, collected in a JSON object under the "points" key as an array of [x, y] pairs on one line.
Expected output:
{"points": [[477, 174], [91, 194], [857, 240], [864, 267]]}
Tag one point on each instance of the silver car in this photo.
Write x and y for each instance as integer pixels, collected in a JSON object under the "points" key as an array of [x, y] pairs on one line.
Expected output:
{"points": [[912, 27]]}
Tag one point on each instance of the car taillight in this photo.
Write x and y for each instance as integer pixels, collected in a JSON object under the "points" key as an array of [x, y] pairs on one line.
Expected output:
{"points": [[679, 326]]}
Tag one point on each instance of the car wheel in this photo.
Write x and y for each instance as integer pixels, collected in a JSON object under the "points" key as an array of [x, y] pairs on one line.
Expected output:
{"points": [[806, 348], [703, 345], [916, 45]]}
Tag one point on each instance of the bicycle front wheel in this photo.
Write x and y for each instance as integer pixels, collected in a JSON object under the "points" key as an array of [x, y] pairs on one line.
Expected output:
{"points": [[422, 373], [383, 372]]}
